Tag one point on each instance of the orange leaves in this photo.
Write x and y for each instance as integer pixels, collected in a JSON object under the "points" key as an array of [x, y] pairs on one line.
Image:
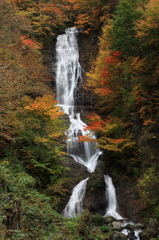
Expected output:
{"points": [[106, 130], [86, 139], [104, 91], [107, 72], [117, 141], [45, 106], [50, 7], [16, 1], [29, 42], [147, 122]]}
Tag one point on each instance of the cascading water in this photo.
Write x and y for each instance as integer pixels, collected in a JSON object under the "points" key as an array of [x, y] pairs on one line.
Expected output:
{"points": [[112, 206], [111, 197], [74, 205], [68, 76], [68, 71]]}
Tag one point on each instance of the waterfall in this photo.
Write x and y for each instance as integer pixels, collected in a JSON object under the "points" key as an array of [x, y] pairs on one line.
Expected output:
{"points": [[68, 71], [68, 77], [111, 197], [112, 207], [74, 205]]}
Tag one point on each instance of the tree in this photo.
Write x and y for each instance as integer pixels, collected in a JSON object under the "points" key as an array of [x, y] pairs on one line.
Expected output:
{"points": [[123, 28], [38, 136], [147, 27]]}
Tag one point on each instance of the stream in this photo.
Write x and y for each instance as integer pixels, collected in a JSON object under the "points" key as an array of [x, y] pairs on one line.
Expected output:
{"points": [[68, 77]]}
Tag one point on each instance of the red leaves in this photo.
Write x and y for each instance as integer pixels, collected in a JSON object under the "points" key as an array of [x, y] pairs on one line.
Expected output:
{"points": [[116, 53], [113, 58], [106, 130], [29, 42], [86, 139], [104, 91], [105, 73]]}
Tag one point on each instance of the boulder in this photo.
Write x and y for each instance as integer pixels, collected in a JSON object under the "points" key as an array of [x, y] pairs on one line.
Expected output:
{"points": [[117, 236], [116, 226]]}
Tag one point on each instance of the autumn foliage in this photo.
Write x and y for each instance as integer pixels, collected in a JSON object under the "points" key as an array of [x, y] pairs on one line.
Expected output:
{"points": [[29, 42]]}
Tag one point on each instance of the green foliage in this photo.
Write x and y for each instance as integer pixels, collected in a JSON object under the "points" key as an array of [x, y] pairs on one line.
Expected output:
{"points": [[104, 228], [80, 228], [25, 211], [98, 219], [149, 191], [123, 28]]}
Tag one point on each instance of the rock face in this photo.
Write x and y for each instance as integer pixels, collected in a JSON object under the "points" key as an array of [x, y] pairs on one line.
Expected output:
{"points": [[95, 200]]}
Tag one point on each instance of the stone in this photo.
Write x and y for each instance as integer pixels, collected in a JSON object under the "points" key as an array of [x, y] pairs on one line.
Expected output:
{"points": [[109, 219], [117, 236], [116, 226], [138, 226]]}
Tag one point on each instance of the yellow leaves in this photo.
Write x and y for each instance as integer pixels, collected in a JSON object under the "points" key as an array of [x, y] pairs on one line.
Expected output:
{"points": [[147, 27], [112, 144], [60, 153], [42, 117], [41, 140], [108, 131], [82, 19], [137, 64], [55, 135], [45, 106]]}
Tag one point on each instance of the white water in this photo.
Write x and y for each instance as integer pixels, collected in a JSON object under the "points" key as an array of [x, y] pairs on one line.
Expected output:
{"points": [[136, 232], [111, 197], [113, 205], [74, 205], [68, 76]]}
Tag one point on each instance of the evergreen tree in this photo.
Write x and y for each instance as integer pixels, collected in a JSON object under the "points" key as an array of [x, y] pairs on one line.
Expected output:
{"points": [[123, 28]]}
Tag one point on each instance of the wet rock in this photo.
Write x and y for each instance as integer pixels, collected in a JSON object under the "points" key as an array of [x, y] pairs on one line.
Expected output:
{"points": [[133, 237], [95, 200], [138, 226], [110, 227], [117, 236], [130, 227], [109, 219], [116, 226]]}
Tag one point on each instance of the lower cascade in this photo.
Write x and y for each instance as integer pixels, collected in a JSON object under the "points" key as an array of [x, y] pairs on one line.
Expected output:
{"points": [[68, 76], [111, 197], [113, 205], [74, 205]]}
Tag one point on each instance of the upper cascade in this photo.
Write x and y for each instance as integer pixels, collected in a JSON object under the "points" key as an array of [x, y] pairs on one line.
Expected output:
{"points": [[68, 69], [68, 76]]}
